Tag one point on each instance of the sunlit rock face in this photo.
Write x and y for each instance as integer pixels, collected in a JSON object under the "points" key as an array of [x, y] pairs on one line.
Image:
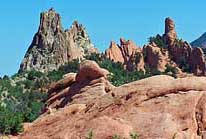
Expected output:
{"points": [[126, 53], [52, 46], [86, 102]]}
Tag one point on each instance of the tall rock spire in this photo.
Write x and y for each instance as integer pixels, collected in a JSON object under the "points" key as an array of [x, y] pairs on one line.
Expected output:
{"points": [[52, 46], [170, 33]]}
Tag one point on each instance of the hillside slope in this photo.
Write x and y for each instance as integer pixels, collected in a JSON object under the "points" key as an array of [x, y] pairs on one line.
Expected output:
{"points": [[200, 42]]}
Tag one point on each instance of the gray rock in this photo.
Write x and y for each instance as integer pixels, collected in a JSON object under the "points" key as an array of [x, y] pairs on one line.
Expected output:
{"points": [[52, 46]]}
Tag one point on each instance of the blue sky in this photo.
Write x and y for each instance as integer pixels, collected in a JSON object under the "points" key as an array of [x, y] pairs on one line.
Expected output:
{"points": [[105, 20]]}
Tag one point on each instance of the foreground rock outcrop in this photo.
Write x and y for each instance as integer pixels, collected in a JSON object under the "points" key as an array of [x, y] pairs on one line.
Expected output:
{"points": [[155, 107], [52, 46]]}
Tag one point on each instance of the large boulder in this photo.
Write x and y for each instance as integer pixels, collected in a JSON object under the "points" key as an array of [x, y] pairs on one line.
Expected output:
{"points": [[90, 70], [52, 46], [89, 83]]}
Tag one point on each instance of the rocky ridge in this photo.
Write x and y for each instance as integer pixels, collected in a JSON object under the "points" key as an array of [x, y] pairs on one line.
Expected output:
{"points": [[52, 46], [200, 42], [83, 103], [162, 52]]}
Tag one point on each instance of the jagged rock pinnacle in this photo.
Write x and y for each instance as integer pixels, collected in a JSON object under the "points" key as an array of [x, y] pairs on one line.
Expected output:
{"points": [[170, 33], [52, 46]]}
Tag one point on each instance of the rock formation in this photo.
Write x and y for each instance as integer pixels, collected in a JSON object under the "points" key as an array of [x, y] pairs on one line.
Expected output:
{"points": [[114, 53], [156, 58], [155, 107], [126, 53], [181, 52], [197, 61], [170, 34], [89, 83], [52, 46], [162, 52]]}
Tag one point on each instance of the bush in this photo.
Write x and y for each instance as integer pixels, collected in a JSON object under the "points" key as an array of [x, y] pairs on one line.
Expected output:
{"points": [[134, 135], [56, 75], [171, 69], [119, 75], [18, 105], [90, 135], [32, 75], [10, 122], [159, 41]]}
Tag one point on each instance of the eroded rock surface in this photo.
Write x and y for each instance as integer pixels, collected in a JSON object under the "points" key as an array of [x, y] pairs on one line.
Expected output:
{"points": [[155, 107]]}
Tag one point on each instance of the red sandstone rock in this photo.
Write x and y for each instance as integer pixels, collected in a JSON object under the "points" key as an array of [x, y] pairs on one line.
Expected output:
{"points": [[90, 70], [170, 33], [126, 54], [197, 61], [114, 53], [156, 58], [156, 107]]}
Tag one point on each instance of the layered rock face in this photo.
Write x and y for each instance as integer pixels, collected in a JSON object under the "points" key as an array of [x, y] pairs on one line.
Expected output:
{"points": [[126, 53], [52, 46], [155, 107]]}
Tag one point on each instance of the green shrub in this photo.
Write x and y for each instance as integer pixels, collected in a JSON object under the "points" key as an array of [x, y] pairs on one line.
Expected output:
{"points": [[134, 135], [34, 74], [115, 137], [171, 69], [119, 75], [10, 122], [18, 105], [159, 41], [56, 75], [183, 64], [90, 135]]}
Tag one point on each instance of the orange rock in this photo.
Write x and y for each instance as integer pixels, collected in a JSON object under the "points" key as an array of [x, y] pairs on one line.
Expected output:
{"points": [[114, 53], [126, 54], [197, 61], [170, 33], [90, 70], [156, 58]]}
